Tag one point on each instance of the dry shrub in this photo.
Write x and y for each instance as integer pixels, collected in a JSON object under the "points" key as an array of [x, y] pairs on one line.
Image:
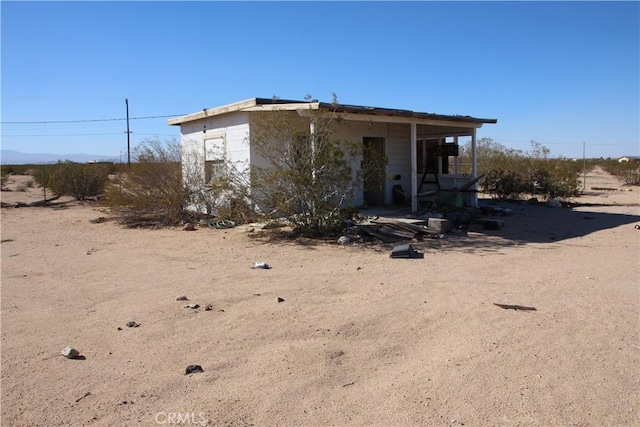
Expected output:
{"points": [[73, 179], [151, 189]]}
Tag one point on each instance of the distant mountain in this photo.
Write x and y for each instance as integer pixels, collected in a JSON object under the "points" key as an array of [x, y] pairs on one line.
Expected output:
{"points": [[12, 157]]}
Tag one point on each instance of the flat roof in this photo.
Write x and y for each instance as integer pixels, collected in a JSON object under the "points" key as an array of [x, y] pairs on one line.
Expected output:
{"points": [[273, 104]]}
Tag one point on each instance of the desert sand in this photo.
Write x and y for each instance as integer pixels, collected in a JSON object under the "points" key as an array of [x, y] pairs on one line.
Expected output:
{"points": [[360, 339]]}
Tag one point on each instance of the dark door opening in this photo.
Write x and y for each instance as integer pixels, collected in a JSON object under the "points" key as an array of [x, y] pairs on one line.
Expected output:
{"points": [[373, 170]]}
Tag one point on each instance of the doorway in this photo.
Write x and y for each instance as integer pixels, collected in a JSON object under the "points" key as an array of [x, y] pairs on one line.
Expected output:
{"points": [[373, 168]]}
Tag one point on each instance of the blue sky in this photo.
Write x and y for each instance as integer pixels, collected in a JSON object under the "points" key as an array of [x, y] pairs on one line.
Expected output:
{"points": [[560, 73]]}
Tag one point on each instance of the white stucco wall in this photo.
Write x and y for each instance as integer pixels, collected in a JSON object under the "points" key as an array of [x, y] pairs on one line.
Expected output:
{"points": [[232, 128]]}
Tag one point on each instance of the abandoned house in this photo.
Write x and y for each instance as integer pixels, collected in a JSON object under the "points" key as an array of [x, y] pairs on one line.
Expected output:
{"points": [[421, 148]]}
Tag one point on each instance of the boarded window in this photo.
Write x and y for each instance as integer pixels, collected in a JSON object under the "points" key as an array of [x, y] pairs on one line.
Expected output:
{"points": [[214, 158]]}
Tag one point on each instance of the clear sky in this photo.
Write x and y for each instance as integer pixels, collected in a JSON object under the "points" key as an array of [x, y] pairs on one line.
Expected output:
{"points": [[559, 73]]}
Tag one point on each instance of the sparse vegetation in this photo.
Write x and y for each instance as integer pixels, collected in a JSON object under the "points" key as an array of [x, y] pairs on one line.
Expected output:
{"points": [[512, 174], [150, 190], [73, 179], [307, 178], [626, 172]]}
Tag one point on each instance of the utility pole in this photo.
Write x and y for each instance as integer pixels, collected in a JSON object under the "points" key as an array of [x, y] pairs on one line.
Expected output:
{"points": [[126, 101], [584, 168]]}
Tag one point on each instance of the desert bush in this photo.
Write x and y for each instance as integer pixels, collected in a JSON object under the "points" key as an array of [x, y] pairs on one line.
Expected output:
{"points": [[72, 179], [554, 178], [151, 189], [512, 174], [626, 172], [306, 178]]}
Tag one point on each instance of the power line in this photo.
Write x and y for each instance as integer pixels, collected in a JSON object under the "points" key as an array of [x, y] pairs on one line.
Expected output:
{"points": [[86, 134], [89, 120]]}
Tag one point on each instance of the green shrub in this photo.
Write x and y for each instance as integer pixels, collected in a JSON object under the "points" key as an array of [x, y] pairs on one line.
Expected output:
{"points": [[306, 178], [73, 179], [512, 174], [626, 172]]}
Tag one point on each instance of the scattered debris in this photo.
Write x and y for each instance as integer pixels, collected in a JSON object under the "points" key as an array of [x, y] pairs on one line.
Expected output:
{"points": [[222, 224], [83, 396], [70, 352], [132, 324], [189, 227], [193, 306], [348, 384], [208, 307], [439, 225], [192, 369], [44, 202], [182, 298], [280, 299], [405, 251], [515, 307], [604, 189], [98, 220], [260, 264]]}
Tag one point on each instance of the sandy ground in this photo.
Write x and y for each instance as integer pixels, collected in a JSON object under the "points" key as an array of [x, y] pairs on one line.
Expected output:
{"points": [[359, 340]]}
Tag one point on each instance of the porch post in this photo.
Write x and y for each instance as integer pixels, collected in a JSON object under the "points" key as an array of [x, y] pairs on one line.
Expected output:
{"points": [[474, 169], [312, 140], [414, 168], [456, 162]]}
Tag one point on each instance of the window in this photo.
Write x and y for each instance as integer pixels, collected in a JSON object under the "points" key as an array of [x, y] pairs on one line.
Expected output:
{"points": [[214, 158]]}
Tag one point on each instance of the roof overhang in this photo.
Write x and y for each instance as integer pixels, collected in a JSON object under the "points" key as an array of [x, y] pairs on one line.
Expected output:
{"points": [[348, 112]]}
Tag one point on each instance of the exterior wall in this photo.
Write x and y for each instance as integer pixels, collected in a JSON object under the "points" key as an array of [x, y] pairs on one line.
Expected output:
{"points": [[399, 159], [355, 132], [234, 131]]}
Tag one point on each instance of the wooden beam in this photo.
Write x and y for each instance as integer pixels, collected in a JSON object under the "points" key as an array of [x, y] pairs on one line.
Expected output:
{"points": [[236, 106], [409, 120], [414, 168]]}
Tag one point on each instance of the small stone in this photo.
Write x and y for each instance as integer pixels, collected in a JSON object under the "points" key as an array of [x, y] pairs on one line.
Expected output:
{"points": [[280, 299], [208, 307], [119, 328], [343, 240], [70, 352], [193, 306], [260, 264], [189, 227], [182, 298], [192, 369], [132, 324]]}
